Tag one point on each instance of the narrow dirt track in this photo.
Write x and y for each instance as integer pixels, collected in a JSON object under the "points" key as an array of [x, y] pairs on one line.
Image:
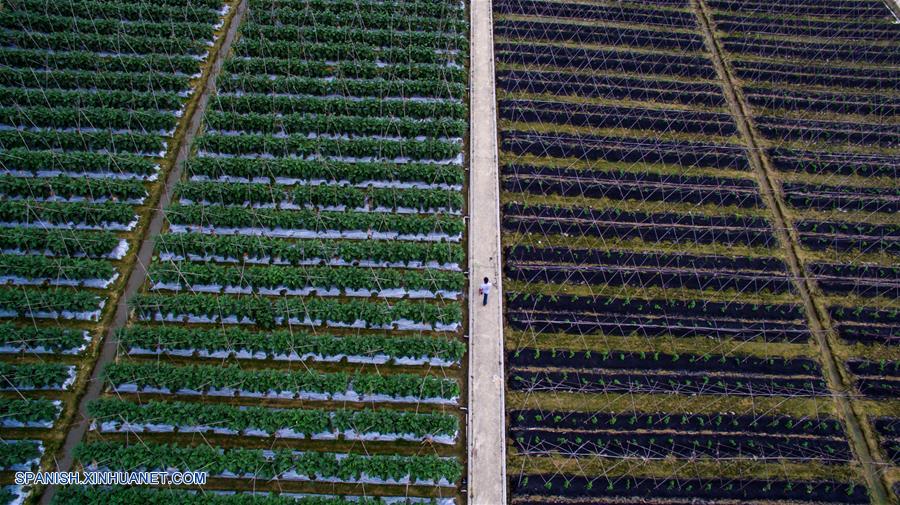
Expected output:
{"points": [[138, 274]]}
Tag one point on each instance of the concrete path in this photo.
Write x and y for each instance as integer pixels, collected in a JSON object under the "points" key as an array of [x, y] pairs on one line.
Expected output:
{"points": [[486, 437]]}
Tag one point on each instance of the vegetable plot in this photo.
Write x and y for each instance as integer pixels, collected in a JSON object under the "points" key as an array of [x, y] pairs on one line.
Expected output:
{"points": [[92, 93], [651, 304], [130, 377], [307, 285], [291, 345], [116, 415], [825, 109], [281, 464], [95, 495]]}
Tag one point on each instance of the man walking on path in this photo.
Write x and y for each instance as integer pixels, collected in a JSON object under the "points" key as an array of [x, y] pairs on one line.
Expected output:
{"points": [[484, 290]]}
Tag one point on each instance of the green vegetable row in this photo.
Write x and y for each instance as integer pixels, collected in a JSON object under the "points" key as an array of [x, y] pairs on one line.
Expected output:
{"points": [[24, 302], [40, 267], [339, 52], [85, 60], [95, 98], [120, 495], [352, 35], [344, 70], [190, 275], [88, 117], [239, 217], [33, 375], [355, 173], [240, 247], [299, 13], [223, 193], [96, 215], [329, 124], [216, 461], [76, 162], [306, 421], [342, 106], [32, 410], [88, 80], [40, 22], [266, 312], [126, 44], [377, 88], [64, 186], [93, 244], [369, 20], [203, 378], [285, 342], [296, 145], [159, 12], [17, 452], [53, 338], [132, 142]]}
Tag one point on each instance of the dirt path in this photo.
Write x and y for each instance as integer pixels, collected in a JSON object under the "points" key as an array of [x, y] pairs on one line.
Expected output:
{"points": [[819, 322], [486, 437], [145, 252]]}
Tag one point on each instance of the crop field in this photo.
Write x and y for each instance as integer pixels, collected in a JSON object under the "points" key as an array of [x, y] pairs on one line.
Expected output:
{"points": [[235, 239], [93, 101], [300, 329], [821, 86], [670, 171]]}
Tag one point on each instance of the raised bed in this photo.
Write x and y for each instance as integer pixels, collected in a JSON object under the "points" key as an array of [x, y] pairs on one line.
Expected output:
{"points": [[811, 74], [817, 162], [689, 488], [592, 34], [853, 52], [623, 14], [578, 323], [281, 464], [607, 116], [609, 86], [845, 197], [648, 227], [862, 280], [630, 186], [627, 422], [629, 150], [627, 360], [661, 445], [815, 101], [828, 8], [326, 184], [561, 265], [561, 57], [658, 383], [806, 27], [843, 236], [825, 132]]}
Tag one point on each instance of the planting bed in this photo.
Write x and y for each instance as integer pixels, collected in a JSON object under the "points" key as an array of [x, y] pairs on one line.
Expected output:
{"points": [[94, 97], [656, 345], [300, 329]]}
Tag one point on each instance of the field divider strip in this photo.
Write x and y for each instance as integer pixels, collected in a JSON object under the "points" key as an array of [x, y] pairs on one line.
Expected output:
{"points": [[138, 274], [819, 322], [486, 439]]}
